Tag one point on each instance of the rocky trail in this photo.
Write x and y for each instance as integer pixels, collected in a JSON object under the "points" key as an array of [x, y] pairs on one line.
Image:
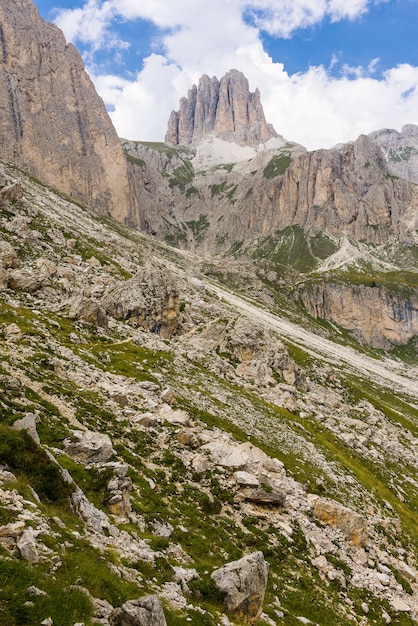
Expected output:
{"points": [[387, 372]]}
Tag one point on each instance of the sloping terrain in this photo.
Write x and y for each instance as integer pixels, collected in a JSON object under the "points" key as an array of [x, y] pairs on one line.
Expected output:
{"points": [[163, 414]]}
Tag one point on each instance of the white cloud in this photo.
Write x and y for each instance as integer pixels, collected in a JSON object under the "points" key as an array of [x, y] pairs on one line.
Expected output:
{"points": [[88, 24], [315, 108], [284, 17]]}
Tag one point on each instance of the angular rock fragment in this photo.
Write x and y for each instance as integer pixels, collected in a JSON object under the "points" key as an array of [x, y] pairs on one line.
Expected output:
{"points": [[89, 447], [349, 522], [244, 584], [146, 611]]}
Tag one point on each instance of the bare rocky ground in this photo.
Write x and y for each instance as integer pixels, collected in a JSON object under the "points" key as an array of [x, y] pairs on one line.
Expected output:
{"points": [[157, 426]]}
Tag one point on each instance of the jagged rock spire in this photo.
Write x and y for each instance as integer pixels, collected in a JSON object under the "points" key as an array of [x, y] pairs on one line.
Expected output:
{"points": [[225, 108]]}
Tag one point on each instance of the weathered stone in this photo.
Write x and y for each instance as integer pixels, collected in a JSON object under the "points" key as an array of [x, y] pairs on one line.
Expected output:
{"points": [[149, 299], [28, 423], [13, 530], [162, 530], [244, 583], [174, 417], [408, 572], [89, 447], [89, 311], [35, 591], [11, 193], [400, 605], [27, 546], [146, 611], [147, 420], [350, 523], [119, 500], [24, 280], [8, 255], [167, 395], [188, 438], [227, 455], [172, 594], [13, 333], [263, 497]]}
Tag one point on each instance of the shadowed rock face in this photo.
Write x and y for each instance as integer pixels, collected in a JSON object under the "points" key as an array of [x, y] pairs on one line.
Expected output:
{"points": [[225, 108], [53, 123], [146, 611], [149, 299]]}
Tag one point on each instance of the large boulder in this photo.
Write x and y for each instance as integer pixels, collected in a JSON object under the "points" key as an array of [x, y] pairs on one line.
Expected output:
{"points": [[244, 584], [27, 546], [146, 611], [149, 299], [10, 193], [263, 497], [89, 447], [352, 524], [88, 310], [8, 255], [28, 423], [34, 278]]}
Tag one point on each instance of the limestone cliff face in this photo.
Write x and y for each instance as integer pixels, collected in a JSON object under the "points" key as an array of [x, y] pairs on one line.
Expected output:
{"points": [[374, 315], [345, 191], [52, 122], [225, 108]]}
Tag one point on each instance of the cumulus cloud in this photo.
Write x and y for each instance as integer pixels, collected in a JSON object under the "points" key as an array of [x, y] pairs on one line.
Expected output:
{"points": [[317, 108]]}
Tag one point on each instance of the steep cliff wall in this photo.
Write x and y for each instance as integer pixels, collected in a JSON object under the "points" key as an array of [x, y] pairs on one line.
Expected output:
{"points": [[375, 315], [52, 122], [346, 191]]}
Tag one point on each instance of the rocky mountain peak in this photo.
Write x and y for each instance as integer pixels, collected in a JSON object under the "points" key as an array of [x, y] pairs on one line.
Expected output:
{"points": [[225, 108]]}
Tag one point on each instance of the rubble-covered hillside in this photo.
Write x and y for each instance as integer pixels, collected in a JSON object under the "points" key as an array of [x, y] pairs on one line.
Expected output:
{"points": [[172, 452]]}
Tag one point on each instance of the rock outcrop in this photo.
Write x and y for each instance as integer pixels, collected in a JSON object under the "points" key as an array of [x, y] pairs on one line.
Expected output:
{"points": [[89, 447], [146, 611], [375, 315], [149, 299], [353, 525], [244, 583], [53, 123], [225, 108]]}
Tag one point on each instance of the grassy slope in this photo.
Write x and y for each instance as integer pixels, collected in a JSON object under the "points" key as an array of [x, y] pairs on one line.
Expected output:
{"points": [[179, 497]]}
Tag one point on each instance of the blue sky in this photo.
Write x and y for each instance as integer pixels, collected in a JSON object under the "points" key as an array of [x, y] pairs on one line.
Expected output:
{"points": [[328, 70]]}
